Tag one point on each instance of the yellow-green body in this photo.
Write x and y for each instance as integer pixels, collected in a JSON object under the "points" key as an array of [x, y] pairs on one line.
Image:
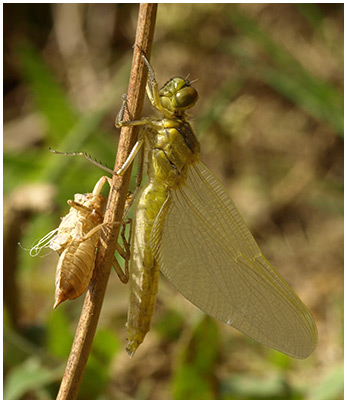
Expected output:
{"points": [[169, 156], [187, 227]]}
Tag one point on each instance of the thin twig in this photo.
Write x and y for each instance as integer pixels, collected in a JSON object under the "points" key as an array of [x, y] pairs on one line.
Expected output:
{"points": [[92, 305]]}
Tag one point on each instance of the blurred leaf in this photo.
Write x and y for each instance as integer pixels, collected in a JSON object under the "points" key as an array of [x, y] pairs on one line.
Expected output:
{"points": [[105, 345], [312, 13], [28, 376], [330, 388], [319, 98], [24, 344], [69, 130], [257, 388], [48, 94], [86, 128], [194, 375], [220, 101], [279, 359], [15, 347], [170, 326], [95, 379], [22, 168], [189, 384], [59, 335], [97, 373]]}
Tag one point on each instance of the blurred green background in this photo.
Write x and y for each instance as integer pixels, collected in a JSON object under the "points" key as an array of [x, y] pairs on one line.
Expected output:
{"points": [[270, 122]]}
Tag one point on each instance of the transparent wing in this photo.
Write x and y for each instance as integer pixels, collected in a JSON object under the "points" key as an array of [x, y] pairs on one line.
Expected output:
{"points": [[206, 250]]}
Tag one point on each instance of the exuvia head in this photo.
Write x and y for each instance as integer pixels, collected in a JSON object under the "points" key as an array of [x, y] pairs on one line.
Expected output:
{"points": [[177, 95]]}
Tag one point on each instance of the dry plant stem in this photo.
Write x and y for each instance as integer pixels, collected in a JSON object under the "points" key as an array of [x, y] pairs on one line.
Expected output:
{"points": [[92, 305]]}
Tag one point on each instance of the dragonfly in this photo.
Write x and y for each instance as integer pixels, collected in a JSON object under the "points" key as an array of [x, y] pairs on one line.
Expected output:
{"points": [[187, 227]]}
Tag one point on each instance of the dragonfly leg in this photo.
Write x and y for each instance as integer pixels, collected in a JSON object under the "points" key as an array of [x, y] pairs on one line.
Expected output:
{"points": [[125, 253], [122, 277], [132, 154], [87, 157], [152, 87], [120, 122], [139, 176]]}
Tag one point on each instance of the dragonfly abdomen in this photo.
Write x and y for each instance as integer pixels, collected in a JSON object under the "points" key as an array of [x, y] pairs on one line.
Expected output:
{"points": [[171, 150], [144, 271]]}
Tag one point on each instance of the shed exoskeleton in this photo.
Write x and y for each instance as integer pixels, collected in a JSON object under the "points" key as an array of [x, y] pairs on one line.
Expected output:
{"points": [[76, 240]]}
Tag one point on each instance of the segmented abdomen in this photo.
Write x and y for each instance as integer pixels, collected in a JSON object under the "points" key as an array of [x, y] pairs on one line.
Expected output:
{"points": [[76, 263], [144, 271]]}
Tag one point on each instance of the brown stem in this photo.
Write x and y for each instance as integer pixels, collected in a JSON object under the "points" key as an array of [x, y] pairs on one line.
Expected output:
{"points": [[92, 305]]}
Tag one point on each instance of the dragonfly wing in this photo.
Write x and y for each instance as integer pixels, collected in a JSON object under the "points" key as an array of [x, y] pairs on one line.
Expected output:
{"points": [[207, 252]]}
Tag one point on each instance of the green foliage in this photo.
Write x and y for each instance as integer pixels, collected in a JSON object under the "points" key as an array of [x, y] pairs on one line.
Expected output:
{"points": [[31, 370], [286, 76], [59, 334], [105, 345], [246, 387], [194, 375], [30, 377], [279, 360], [68, 129], [331, 387], [312, 13], [22, 167], [97, 373], [36, 370], [234, 50], [170, 326], [48, 94]]}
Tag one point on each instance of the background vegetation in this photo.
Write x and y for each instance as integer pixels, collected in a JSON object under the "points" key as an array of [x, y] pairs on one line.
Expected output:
{"points": [[270, 122]]}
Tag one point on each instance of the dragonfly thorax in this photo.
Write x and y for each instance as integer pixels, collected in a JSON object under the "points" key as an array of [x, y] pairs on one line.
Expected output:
{"points": [[177, 95]]}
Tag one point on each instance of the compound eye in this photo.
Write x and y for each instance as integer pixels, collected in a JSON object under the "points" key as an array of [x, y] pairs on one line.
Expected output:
{"points": [[185, 98], [177, 95]]}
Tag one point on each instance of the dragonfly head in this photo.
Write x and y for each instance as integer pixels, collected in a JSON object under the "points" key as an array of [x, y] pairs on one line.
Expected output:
{"points": [[177, 95]]}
